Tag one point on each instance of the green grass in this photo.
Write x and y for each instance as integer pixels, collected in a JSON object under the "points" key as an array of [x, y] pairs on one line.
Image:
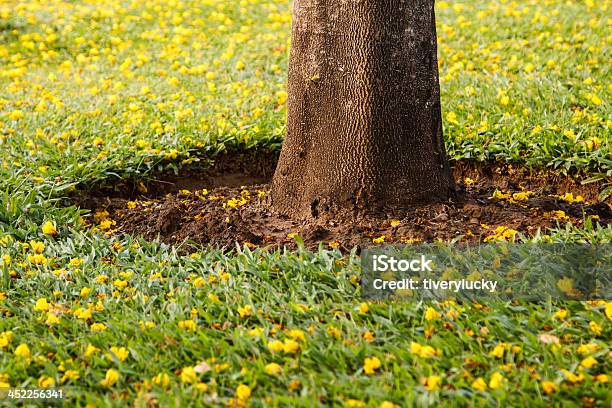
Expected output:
{"points": [[316, 293], [92, 92], [522, 82]]}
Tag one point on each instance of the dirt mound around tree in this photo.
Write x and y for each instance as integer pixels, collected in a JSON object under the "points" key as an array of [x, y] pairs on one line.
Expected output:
{"points": [[496, 202], [228, 169]]}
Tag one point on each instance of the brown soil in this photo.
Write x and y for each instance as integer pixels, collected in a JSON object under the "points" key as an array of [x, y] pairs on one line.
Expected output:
{"points": [[509, 177], [217, 209], [229, 169]]}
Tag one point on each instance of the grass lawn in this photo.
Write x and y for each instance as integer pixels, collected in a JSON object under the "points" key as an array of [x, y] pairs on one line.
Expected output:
{"points": [[96, 92]]}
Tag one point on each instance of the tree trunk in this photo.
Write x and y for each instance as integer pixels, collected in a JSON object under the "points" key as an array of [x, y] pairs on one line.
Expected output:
{"points": [[364, 126]]}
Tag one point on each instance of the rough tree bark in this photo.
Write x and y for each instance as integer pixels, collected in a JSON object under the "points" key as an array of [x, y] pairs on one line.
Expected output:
{"points": [[364, 126]]}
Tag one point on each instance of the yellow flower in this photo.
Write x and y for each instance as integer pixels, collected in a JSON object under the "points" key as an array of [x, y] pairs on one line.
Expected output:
{"points": [[48, 228], [46, 382], [5, 338], [70, 375], [82, 313], [353, 403], [498, 350], [371, 364], [334, 332], [120, 352], [596, 100], [100, 215], [22, 351], [501, 233], [608, 310], [602, 378], [111, 378], [501, 196], [98, 327], [422, 351], [364, 308], [37, 246], [255, 332], [52, 319], [101, 279], [558, 214], [595, 328], [76, 262], [561, 314], [146, 324], [431, 314], [90, 351], [571, 377], [497, 381], [291, 346], [120, 284], [4, 381], [479, 384], [379, 240], [368, 336], [569, 197], [452, 314], [297, 334], [188, 325], [273, 369], [592, 143], [199, 282], [245, 311], [521, 196], [432, 382], [106, 224], [549, 387], [16, 115], [243, 392], [587, 348], [189, 375], [37, 259], [42, 305], [569, 134], [162, 379], [588, 362], [334, 244], [275, 345]]}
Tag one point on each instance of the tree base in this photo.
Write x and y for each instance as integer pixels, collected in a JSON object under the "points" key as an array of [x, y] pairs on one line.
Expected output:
{"points": [[180, 217], [364, 125]]}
